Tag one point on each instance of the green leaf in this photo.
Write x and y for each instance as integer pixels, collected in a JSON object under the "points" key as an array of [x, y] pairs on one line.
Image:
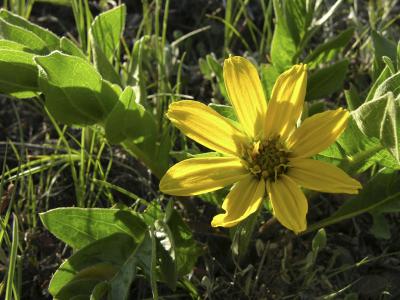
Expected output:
{"points": [[380, 118], [324, 82], [10, 45], [353, 99], [106, 32], [385, 74], [268, 77], [107, 29], [115, 131], [135, 74], [319, 240], [327, 51], [22, 36], [18, 76], [75, 92], [284, 46], [217, 71], [49, 38], [69, 47], [166, 253], [355, 152], [137, 131], [130, 120], [242, 234], [382, 47], [391, 84], [380, 227], [112, 259], [147, 260], [381, 190], [79, 227], [186, 248], [226, 111]]}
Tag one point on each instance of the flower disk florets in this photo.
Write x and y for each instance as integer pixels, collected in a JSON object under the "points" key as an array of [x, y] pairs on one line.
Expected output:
{"points": [[266, 159]]}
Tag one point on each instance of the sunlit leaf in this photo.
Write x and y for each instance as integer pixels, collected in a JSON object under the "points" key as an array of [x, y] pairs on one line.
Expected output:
{"points": [[106, 32], [380, 118], [18, 76], [79, 227], [75, 92]]}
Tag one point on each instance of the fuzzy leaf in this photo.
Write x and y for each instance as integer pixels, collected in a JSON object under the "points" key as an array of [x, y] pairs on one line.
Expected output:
{"points": [[380, 118]]}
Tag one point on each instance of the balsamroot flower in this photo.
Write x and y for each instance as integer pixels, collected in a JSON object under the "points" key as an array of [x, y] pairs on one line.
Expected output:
{"points": [[264, 154]]}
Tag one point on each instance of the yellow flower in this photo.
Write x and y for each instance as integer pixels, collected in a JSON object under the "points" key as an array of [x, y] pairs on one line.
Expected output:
{"points": [[265, 153]]}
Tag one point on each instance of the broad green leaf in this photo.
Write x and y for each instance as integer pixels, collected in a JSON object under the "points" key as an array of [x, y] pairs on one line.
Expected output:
{"points": [[107, 29], [49, 38], [298, 17], [75, 92], [99, 291], [355, 152], [69, 47], [381, 190], [324, 82], [217, 71], [130, 120], [79, 227], [138, 133], [268, 77], [283, 47], [22, 36], [327, 51], [380, 118], [114, 124], [186, 249], [105, 67], [385, 74], [106, 32], [166, 253], [390, 85], [382, 47], [18, 76], [135, 74], [10, 45], [112, 259], [241, 236], [225, 111], [380, 227]]}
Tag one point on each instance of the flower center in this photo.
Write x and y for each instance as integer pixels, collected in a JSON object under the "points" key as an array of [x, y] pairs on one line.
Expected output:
{"points": [[266, 159]]}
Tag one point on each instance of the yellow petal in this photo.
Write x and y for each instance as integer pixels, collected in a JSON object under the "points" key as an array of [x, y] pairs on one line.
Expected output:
{"points": [[202, 124], [289, 203], [201, 175], [287, 101], [245, 93], [243, 200], [318, 132], [323, 177]]}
